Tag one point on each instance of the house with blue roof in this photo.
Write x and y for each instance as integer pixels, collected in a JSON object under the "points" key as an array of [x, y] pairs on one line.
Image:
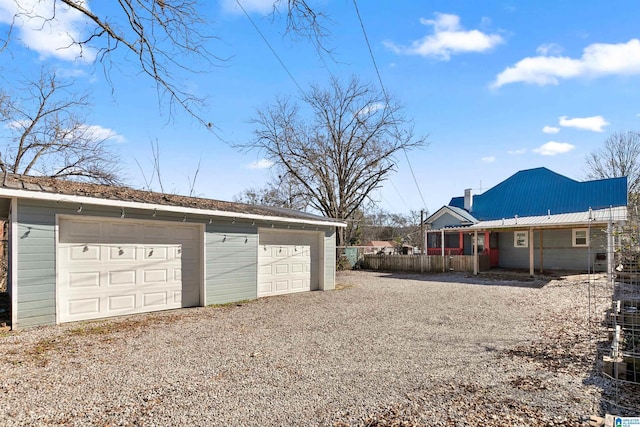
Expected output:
{"points": [[536, 219]]}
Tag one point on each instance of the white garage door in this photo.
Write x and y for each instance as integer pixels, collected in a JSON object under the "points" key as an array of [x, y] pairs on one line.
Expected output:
{"points": [[108, 268], [286, 262]]}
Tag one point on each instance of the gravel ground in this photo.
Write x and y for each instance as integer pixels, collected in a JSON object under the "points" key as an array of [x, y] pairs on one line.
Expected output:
{"points": [[384, 349]]}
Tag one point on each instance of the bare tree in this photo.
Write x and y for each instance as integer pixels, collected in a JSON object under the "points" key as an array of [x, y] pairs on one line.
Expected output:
{"points": [[161, 35], [48, 134], [618, 157], [156, 172], [282, 191], [344, 152]]}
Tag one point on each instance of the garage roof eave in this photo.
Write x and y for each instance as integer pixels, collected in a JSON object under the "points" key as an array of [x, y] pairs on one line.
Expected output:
{"points": [[69, 198]]}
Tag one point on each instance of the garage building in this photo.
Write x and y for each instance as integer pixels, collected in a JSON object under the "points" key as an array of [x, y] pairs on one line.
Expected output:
{"points": [[79, 251]]}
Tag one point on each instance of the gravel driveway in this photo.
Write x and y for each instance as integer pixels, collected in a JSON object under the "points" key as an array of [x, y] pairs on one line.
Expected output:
{"points": [[384, 349]]}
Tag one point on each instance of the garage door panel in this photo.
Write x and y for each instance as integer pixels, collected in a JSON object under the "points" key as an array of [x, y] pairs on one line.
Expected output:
{"points": [[265, 288], [282, 269], [155, 276], [151, 299], [297, 283], [282, 285], [84, 252], [82, 307], [84, 280], [122, 302], [155, 232], [122, 232], [121, 278], [122, 253], [102, 289], [177, 297], [83, 229], [121, 266]]}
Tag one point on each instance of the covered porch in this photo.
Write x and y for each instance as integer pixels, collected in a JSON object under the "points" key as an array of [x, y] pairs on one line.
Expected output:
{"points": [[463, 242], [580, 241]]}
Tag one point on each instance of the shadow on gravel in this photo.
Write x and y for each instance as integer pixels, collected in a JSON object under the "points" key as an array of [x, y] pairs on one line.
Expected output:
{"points": [[482, 279]]}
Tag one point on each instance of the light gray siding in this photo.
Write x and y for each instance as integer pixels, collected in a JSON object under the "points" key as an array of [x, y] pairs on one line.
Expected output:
{"points": [[36, 265], [445, 220], [232, 262], [559, 254], [231, 252], [329, 260]]}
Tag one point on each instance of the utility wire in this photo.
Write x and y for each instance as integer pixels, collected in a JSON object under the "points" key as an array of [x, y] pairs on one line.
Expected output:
{"points": [[270, 47], [384, 91]]}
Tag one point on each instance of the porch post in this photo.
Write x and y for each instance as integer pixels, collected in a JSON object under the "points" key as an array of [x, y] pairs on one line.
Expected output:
{"points": [[461, 242], [444, 261], [541, 251], [531, 252], [475, 252]]}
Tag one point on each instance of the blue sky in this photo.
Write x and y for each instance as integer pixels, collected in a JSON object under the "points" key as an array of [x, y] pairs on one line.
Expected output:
{"points": [[498, 87]]}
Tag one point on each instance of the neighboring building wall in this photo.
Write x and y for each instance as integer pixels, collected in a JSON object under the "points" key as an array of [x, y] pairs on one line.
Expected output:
{"points": [[559, 254], [445, 220]]}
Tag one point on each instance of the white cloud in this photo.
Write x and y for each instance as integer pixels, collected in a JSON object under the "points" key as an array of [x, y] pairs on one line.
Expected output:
{"points": [[598, 59], [262, 7], [489, 159], [595, 123], [552, 148], [17, 124], [448, 38], [550, 129], [518, 151], [49, 37], [100, 133], [549, 49], [260, 164], [371, 108]]}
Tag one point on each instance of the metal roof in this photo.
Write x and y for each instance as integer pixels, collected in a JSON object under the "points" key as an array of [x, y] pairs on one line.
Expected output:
{"points": [[599, 216], [460, 213], [539, 191]]}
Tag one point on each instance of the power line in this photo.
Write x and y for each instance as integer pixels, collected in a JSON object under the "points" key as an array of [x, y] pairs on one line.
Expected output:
{"points": [[384, 91], [270, 47]]}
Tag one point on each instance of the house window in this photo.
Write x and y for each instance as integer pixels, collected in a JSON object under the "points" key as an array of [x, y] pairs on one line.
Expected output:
{"points": [[521, 239], [580, 237]]}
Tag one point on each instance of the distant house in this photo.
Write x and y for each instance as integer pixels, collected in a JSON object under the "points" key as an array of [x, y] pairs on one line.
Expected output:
{"points": [[381, 247], [535, 219]]}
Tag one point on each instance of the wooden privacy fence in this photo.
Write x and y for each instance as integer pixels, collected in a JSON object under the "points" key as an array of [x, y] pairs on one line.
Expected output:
{"points": [[424, 263]]}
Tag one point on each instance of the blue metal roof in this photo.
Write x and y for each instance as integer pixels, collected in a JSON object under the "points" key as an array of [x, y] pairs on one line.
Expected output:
{"points": [[540, 191]]}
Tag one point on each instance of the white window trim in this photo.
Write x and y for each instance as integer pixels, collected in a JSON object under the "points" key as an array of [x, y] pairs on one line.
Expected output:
{"points": [[515, 239], [574, 232]]}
